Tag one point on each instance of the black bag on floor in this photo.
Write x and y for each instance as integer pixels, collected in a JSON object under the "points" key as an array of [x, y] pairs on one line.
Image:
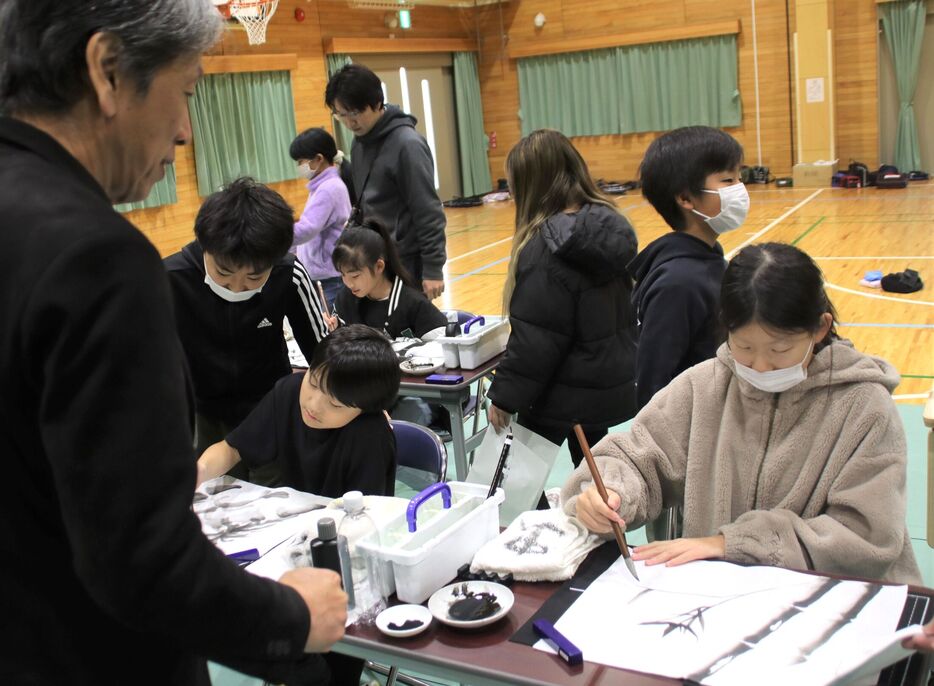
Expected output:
{"points": [[908, 281], [861, 170]]}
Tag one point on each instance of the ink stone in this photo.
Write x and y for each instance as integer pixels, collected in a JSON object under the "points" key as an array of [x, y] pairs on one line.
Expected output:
{"points": [[472, 606]]}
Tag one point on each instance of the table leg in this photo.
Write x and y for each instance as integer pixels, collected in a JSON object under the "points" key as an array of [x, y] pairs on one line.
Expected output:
{"points": [[457, 439]]}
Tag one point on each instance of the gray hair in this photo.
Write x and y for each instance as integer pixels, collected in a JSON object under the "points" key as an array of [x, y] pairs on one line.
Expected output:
{"points": [[43, 69]]}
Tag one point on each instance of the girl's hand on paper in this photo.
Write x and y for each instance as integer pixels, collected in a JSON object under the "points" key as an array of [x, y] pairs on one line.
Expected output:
{"points": [[681, 550], [330, 320], [923, 641], [498, 418], [596, 515]]}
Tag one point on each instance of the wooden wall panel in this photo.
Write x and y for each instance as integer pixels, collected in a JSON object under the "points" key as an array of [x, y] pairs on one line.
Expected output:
{"points": [[171, 226], [495, 27], [856, 82], [618, 157]]}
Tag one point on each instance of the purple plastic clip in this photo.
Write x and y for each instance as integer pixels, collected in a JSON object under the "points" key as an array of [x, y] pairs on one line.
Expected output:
{"points": [[567, 651], [245, 557], [412, 510], [474, 320]]}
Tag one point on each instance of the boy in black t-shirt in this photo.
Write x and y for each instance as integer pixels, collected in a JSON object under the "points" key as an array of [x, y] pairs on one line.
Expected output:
{"points": [[326, 428]]}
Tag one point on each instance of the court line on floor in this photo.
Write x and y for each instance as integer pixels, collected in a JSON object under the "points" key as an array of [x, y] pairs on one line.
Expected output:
{"points": [[887, 326], [480, 249], [808, 230], [506, 240], [774, 223], [850, 198], [917, 376], [479, 269], [874, 296], [911, 396]]}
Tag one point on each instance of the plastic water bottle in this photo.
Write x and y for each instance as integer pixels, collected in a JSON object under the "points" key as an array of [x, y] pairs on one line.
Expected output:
{"points": [[361, 575]]}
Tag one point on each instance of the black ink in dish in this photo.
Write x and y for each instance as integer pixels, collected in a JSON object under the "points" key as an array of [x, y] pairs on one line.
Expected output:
{"points": [[406, 625]]}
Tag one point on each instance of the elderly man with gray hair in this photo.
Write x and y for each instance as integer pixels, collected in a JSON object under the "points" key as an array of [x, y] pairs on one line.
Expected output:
{"points": [[107, 577]]}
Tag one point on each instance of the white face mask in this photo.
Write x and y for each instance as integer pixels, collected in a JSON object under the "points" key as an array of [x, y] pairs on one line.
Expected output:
{"points": [[734, 205], [777, 380], [227, 294], [306, 172]]}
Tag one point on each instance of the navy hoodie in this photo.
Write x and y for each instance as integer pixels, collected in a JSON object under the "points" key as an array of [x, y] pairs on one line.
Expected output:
{"points": [[676, 299]]}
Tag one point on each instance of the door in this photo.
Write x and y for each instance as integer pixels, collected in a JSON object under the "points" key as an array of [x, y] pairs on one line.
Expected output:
{"points": [[423, 86]]}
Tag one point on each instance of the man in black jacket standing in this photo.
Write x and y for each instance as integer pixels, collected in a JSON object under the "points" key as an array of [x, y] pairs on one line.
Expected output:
{"points": [[107, 577], [393, 174]]}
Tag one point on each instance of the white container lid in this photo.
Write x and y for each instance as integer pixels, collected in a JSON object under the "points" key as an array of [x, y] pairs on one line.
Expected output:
{"points": [[353, 501]]}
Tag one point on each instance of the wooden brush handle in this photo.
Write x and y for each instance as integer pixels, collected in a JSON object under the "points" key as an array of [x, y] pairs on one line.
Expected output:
{"points": [[601, 489]]}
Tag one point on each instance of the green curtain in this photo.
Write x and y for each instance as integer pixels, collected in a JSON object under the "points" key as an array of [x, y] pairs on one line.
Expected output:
{"points": [[342, 134], [903, 25], [162, 193], [652, 87], [475, 168], [243, 124]]}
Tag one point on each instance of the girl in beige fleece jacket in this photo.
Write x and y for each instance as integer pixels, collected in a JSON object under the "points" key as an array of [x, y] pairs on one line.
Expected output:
{"points": [[786, 449]]}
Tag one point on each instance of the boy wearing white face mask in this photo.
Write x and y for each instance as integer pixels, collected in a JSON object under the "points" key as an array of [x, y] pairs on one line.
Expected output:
{"points": [[327, 209], [786, 449], [232, 287], [691, 177]]}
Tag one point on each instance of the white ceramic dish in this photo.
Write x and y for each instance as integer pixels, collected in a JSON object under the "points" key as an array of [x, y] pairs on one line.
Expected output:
{"points": [[418, 367], [440, 602], [399, 615]]}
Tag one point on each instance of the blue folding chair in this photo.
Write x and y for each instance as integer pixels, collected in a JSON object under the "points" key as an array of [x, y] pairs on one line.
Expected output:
{"points": [[420, 455], [421, 461]]}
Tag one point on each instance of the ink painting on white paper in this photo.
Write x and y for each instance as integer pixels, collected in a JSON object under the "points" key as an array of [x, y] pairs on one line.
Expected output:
{"points": [[720, 623], [237, 515]]}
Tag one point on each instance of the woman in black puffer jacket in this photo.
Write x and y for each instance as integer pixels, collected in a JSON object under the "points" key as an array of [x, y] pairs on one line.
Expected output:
{"points": [[570, 356]]}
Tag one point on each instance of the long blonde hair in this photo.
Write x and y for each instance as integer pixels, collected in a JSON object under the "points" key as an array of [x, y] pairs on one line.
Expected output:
{"points": [[546, 176]]}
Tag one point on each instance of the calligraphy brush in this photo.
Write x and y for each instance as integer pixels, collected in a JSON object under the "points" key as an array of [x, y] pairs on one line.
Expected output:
{"points": [[601, 489], [498, 472], [324, 300]]}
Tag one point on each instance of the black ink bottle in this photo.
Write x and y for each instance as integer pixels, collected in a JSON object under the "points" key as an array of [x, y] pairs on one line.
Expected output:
{"points": [[452, 328], [324, 553]]}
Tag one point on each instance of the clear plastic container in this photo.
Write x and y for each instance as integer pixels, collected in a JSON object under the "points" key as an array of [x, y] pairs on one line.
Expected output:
{"points": [[360, 570]]}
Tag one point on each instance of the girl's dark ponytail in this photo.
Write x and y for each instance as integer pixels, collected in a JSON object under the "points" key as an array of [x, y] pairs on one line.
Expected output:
{"points": [[359, 247]]}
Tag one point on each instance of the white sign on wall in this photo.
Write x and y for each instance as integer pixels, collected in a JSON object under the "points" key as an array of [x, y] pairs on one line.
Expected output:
{"points": [[815, 90]]}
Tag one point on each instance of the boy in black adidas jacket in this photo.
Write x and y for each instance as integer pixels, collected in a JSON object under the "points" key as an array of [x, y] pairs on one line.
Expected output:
{"points": [[232, 288]]}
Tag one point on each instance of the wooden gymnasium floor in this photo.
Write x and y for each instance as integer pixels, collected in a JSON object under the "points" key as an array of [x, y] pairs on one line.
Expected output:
{"points": [[847, 231]]}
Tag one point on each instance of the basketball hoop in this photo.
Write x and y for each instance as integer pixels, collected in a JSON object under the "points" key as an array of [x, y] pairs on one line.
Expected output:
{"points": [[254, 15], [223, 8]]}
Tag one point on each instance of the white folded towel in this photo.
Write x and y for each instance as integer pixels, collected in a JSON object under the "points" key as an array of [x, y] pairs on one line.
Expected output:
{"points": [[539, 545]]}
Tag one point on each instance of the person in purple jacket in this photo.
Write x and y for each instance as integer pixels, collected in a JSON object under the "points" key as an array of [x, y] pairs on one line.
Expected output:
{"points": [[327, 209]]}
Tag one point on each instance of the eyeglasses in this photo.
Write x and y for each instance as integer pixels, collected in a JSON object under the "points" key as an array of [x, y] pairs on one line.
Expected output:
{"points": [[353, 114]]}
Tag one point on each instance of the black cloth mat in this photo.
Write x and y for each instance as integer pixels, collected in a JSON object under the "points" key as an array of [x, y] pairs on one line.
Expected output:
{"points": [[919, 609], [593, 566]]}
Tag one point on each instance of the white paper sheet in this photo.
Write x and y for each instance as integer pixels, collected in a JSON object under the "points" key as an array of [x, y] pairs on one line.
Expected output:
{"points": [[719, 623], [530, 460], [869, 660], [250, 516]]}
